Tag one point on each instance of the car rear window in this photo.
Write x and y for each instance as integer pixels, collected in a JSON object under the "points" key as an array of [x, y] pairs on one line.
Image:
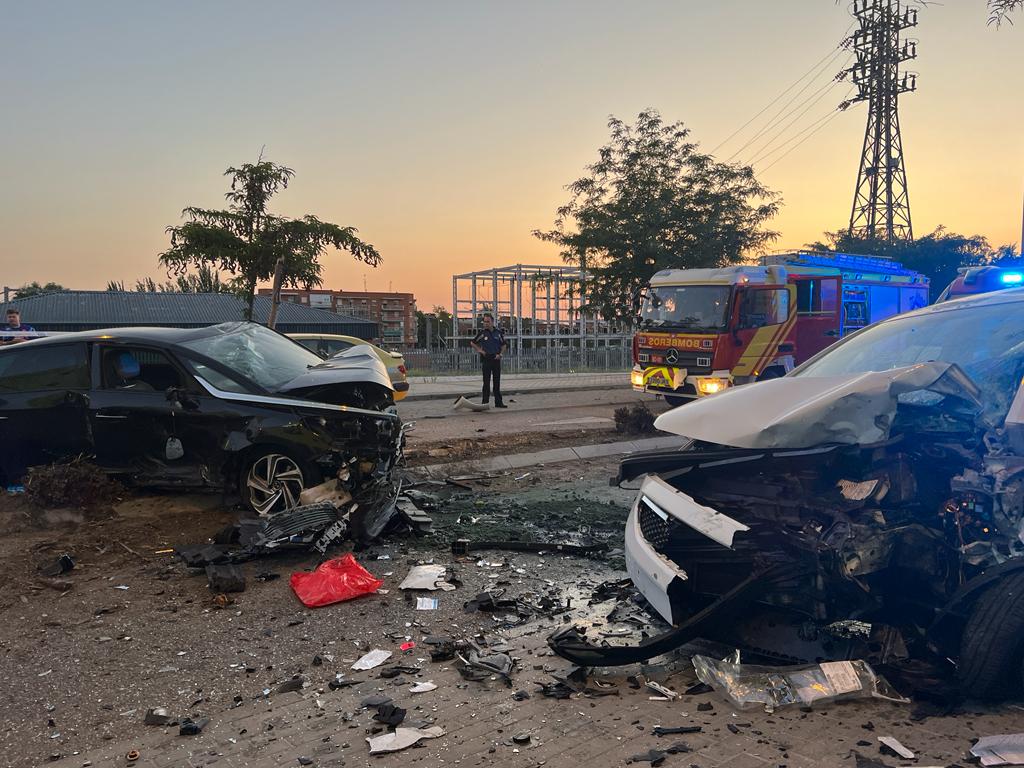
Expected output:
{"points": [[47, 368]]}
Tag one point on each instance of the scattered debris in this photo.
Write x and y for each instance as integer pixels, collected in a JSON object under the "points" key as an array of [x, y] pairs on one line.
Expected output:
{"points": [[222, 579], [1005, 749], [402, 738], [479, 667], [663, 692], [660, 730], [159, 716], [334, 581], [372, 659], [634, 419], [58, 567], [427, 603], [654, 757], [893, 746], [389, 714], [748, 686], [428, 577], [291, 686], [521, 738], [190, 727], [465, 546], [423, 687]]}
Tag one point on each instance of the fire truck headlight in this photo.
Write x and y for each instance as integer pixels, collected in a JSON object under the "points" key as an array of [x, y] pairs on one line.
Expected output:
{"points": [[709, 386], [636, 378]]}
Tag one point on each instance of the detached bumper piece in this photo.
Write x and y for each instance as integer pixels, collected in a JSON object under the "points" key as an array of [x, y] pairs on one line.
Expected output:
{"points": [[312, 526]]}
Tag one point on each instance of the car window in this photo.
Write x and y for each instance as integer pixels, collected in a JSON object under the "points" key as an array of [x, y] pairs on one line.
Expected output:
{"points": [[334, 346], [218, 379], [761, 307], [313, 345], [138, 369], [34, 368]]}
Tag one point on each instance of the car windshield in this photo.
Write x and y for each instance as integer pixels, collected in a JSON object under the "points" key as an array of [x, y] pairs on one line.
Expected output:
{"points": [[256, 353], [689, 307], [987, 342]]}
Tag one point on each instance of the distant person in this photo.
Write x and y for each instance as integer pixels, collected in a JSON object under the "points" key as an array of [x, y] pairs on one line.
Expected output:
{"points": [[14, 324], [490, 344]]}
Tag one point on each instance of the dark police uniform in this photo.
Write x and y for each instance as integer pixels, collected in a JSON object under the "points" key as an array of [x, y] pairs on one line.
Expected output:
{"points": [[491, 342]]}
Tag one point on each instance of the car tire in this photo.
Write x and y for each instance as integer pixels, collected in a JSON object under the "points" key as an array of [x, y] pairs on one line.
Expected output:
{"points": [[270, 480], [992, 648], [675, 401]]}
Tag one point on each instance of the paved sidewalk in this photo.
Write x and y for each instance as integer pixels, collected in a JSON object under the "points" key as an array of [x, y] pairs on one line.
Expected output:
{"points": [[437, 387]]}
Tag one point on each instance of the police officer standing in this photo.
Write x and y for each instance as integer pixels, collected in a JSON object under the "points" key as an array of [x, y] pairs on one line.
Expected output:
{"points": [[490, 344]]}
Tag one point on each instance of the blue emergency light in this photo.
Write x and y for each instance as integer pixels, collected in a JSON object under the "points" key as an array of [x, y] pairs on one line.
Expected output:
{"points": [[1012, 278]]}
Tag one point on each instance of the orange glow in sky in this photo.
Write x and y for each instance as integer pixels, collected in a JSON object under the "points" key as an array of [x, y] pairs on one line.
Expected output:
{"points": [[446, 131]]}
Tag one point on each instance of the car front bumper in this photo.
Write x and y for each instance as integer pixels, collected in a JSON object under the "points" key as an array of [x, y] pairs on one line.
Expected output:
{"points": [[657, 508]]}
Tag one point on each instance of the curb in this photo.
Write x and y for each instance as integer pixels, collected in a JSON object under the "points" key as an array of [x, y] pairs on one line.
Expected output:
{"points": [[553, 456]]}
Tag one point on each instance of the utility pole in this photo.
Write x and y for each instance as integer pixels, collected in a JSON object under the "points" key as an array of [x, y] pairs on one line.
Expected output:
{"points": [[881, 203]]}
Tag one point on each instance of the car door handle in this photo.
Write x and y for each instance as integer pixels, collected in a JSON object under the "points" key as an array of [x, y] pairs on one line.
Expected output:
{"points": [[109, 416]]}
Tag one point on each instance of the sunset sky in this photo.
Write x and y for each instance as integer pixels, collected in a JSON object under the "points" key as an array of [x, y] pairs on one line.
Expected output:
{"points": [[446, 131]]}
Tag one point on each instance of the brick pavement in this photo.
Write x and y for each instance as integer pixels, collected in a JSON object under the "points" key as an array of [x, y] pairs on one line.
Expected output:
{"points": [[481, 718]]}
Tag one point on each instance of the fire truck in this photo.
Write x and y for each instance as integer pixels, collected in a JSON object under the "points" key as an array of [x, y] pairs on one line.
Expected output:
{"points": [[703, 330]]}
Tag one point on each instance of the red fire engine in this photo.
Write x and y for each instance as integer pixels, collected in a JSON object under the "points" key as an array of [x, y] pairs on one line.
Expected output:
{"points": [[702, 330]]}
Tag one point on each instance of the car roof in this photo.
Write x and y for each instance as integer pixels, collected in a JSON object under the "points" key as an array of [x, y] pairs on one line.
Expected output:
{"points": [[1008, 296], [131, 334]]}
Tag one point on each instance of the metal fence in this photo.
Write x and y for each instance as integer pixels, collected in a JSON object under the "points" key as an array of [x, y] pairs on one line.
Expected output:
{"points": [[544, 360]]}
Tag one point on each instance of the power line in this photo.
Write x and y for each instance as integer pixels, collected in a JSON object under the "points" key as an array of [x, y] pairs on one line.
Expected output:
{"points": [[820, 94], [774, 101], [831, 117], [816, 126], [775, 118]]}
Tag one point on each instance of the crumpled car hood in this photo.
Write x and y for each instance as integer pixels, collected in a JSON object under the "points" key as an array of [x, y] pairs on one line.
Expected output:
{"points": [[804, 412], [358, 364]]}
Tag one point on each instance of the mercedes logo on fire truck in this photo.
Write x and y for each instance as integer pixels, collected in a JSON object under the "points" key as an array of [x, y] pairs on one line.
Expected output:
{"points": [[672, 356]]}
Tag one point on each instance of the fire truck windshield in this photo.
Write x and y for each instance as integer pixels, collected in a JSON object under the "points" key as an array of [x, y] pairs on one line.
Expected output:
{"points": [[687, 307]]}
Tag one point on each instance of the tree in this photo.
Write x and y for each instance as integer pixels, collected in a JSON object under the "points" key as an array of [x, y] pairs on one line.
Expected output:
{"points": [[440, 323], [205, 280], [253, 245], [937, 255], [999, 10], [34, 288], [652, 201]]}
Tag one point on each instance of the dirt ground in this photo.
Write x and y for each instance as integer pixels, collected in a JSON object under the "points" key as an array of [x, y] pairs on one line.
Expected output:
{"points": [[489, 445], [131, 628]]}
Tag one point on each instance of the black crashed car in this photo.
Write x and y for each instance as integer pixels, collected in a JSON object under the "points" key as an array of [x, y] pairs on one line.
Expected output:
{"points": [[234, 406]]}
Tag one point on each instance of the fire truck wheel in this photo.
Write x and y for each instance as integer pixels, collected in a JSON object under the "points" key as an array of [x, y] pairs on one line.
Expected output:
{"points": [[675, 401], [772, 373]]}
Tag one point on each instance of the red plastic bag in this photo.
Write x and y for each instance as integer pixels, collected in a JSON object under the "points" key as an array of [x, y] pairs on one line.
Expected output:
{"points": [[333, 581]]}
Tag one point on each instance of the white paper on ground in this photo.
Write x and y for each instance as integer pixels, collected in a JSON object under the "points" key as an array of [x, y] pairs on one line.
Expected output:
{"points": [[423, 687], [429, 577], [373, 659], [1005, 749], [427, 603], [462, 403], [893, 744], [402, 738]]}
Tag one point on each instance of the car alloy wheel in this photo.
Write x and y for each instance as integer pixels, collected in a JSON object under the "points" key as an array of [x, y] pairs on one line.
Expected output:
{"points": [[274, 484]]}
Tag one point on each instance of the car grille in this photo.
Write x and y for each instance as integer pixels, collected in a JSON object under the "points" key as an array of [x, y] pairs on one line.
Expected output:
{"points": [[652, 526], [694, 362]]}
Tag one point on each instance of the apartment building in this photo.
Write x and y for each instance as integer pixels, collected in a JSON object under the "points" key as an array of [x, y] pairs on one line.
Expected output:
{"points": [[394, 313]]}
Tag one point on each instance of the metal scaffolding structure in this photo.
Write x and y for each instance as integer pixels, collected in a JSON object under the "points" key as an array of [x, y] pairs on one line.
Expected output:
{"points": [[540, 309]]}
